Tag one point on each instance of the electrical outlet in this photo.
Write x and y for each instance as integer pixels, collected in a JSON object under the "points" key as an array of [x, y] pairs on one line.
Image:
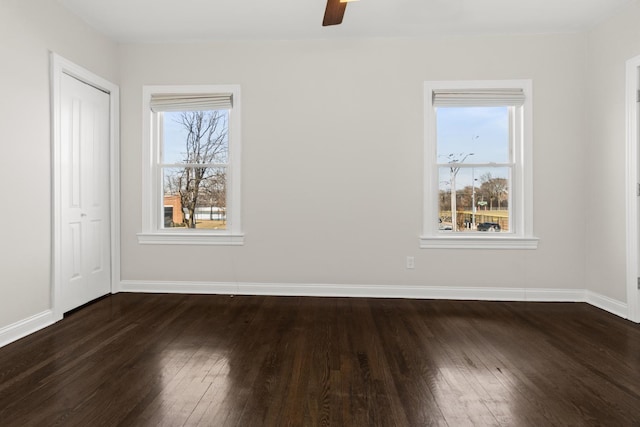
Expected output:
{"points": [[411, 263]]}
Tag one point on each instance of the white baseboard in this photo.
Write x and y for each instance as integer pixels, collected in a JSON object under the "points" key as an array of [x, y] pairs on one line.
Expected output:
{"points": [[15, 331], [555, 295], [607, 304], [325, 290], [381, 291], [178, 287]]}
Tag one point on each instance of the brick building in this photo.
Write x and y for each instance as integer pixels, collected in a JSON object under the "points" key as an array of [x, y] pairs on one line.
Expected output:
{"points": [[172, 210]]}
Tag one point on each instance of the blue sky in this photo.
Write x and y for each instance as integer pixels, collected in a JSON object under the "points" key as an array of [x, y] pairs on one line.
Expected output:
{"points": [[483, 131], [480, 130], [174, 138]]}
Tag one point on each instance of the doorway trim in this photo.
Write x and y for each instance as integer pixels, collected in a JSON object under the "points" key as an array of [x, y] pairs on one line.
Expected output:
{"points": [[633, 187], [59, 67]]}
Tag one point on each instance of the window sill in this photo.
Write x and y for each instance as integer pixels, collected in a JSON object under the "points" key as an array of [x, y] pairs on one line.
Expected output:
{"points": [[182, 238], [478, 242]]}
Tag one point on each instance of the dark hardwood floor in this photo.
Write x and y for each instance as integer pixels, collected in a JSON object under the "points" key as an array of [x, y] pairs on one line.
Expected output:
{"points": [[134, 359]]}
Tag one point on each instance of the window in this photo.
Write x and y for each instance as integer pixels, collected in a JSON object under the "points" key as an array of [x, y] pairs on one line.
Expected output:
{"points": [[191, 165], [478, 177]]}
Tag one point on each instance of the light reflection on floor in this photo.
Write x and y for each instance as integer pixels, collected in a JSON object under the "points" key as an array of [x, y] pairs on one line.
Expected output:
{"points": [[475, 391], [191, 380]]}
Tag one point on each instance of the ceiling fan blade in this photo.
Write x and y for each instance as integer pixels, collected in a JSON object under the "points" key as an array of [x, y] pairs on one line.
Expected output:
{"points": [[334, 12]]}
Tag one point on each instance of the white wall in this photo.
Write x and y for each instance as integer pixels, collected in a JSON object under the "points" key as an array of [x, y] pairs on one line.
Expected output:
{"points": [[332, 155], [332, 161], [611, 44], [28, 30]]}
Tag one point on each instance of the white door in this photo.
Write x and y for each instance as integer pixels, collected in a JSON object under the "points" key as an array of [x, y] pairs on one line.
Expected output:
{"points": [[633, 188], [84, 178]]}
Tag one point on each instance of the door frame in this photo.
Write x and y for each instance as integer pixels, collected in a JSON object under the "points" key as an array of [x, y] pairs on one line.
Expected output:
{"points": [[59, 67], [633, 188]]}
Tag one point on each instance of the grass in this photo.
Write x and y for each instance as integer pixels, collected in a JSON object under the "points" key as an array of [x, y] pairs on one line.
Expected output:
{"points": [[211, 224], [205, 224]]}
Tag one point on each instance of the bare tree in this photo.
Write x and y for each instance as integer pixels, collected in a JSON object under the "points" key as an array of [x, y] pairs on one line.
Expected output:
{"points": [[206, 144], [214, 194], [495, 188]]}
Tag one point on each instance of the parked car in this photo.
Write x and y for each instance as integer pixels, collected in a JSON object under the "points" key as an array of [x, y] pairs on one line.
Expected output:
{"points": [[444, 226], [488, 226]]}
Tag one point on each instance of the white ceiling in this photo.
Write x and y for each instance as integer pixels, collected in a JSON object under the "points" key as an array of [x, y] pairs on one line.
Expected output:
{"points": [[190, 20]]}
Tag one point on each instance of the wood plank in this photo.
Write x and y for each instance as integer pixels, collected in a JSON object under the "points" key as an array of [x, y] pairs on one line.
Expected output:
{"points": [[200, 360]]}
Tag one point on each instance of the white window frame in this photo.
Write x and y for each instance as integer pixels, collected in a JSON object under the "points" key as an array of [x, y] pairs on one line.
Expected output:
{"points": [[520, 235], [152, 195]]}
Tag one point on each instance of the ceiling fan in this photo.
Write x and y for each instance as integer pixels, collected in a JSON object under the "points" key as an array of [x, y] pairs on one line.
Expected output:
{"points": [[334, 12]]}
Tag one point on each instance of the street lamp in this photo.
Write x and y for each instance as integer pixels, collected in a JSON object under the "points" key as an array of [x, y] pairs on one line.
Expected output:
{"points": [[454, 171], [473, 191], [473, 199]]}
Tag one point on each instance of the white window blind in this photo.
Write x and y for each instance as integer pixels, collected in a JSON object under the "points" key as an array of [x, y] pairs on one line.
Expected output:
{"points": [[477, 97], [191, 102]]}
